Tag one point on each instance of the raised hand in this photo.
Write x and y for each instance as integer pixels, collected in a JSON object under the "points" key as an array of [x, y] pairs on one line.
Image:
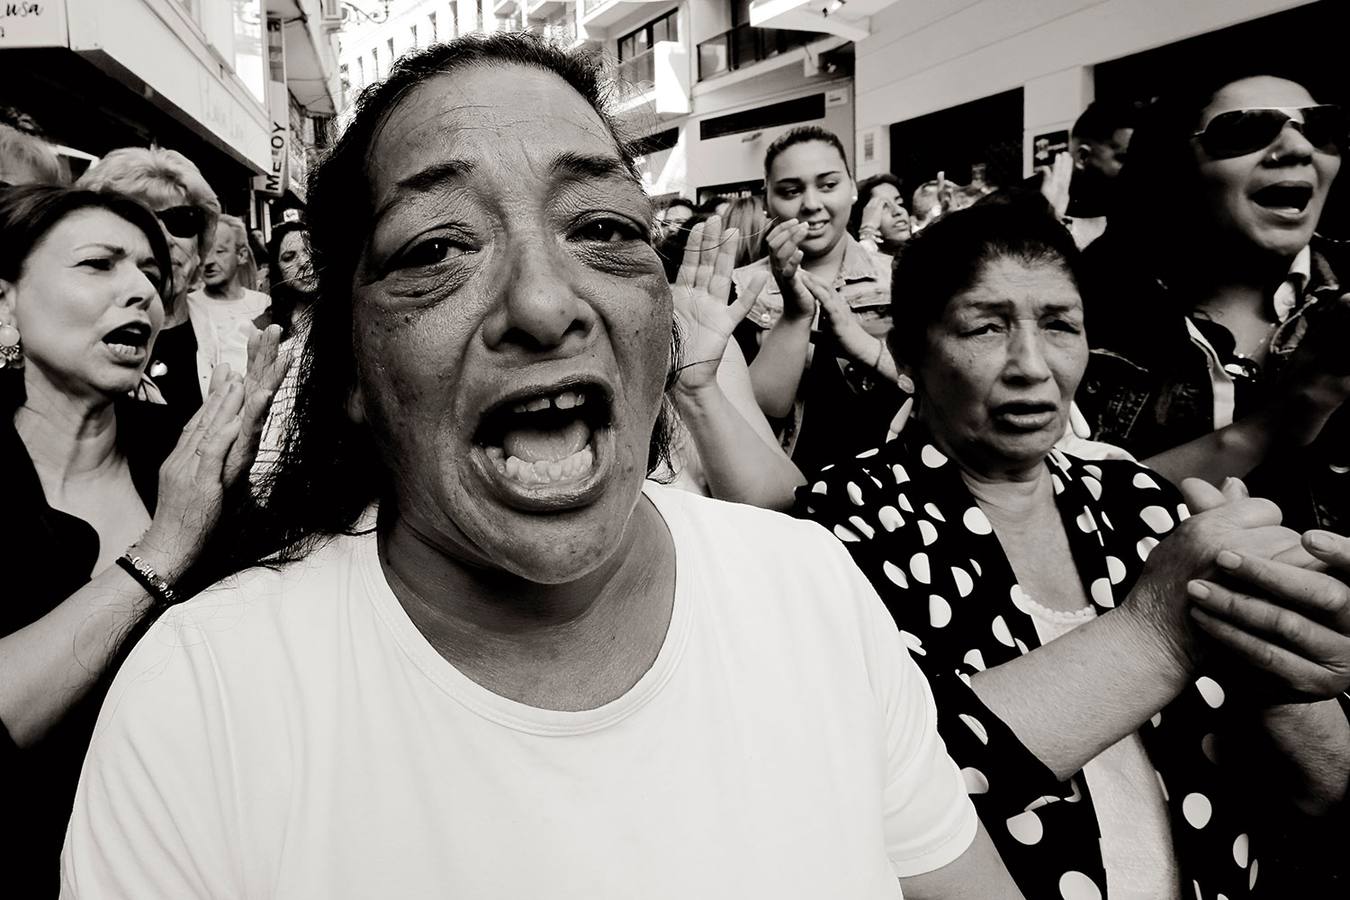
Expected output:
{"points": [[1055, 180], [701, 289], [192, 480], [267, 366]]}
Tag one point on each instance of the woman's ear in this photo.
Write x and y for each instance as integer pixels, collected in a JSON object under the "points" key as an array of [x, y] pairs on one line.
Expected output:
{"points": [[356, 406], [6, 302]]}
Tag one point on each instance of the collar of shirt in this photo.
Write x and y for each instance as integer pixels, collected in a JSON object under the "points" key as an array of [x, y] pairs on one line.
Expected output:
{"points": [[1290, 292], [856, 266]]}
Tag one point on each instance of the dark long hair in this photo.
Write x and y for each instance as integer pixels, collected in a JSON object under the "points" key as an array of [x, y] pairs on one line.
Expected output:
{"points": [[328, 471], [1158, 231]]}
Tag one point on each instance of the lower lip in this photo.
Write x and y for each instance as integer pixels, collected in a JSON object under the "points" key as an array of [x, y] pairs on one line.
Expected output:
{"points": [[1284, 213], [127, 354], [1026, 421], [550, 498]]}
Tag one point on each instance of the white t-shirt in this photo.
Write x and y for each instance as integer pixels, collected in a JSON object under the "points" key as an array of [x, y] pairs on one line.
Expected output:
{"points": [[222, 328], [293, 734]]}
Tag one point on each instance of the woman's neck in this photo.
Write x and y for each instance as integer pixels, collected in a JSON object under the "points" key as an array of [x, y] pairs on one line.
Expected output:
{"points": [[69, 437], [1011, 499], [447, 595], [828, 265]]}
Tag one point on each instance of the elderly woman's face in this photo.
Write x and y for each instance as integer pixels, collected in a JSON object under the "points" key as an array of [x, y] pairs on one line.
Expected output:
{"points": [[86, 304], [513, 322], [1002, 365], [1271, 198]]}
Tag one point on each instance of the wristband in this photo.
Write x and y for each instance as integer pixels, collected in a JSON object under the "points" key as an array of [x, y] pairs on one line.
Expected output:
{"points": [[148, 578]]}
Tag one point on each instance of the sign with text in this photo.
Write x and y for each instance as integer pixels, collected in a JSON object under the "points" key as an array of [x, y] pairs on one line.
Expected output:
{"points": [[33, 24], [273, 181]]}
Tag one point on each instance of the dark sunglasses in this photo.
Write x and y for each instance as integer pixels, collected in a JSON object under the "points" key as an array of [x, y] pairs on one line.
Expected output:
{"points": [[1242, 131], [183, 221]]}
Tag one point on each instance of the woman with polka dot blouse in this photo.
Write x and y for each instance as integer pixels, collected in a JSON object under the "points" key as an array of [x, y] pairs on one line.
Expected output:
{"points": [[1132, 721]]}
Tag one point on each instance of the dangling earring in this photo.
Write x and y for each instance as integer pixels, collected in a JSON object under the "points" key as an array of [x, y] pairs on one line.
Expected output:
{"points": [[11, 348]]}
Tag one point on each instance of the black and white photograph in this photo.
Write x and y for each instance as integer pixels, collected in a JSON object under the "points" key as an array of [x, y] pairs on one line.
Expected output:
{"points": [[674, 450]]}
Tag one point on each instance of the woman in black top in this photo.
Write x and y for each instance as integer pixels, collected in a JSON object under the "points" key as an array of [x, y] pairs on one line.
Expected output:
{"points": [[1111, 747], [82, 276], [1219, 321]]}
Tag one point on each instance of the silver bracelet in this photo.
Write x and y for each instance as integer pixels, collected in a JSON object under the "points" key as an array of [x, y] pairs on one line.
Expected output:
{"points": [[148, 578]]}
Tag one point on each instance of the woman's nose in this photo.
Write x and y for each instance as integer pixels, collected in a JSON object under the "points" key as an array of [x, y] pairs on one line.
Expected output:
{"points": [[538, 308], [810, 198], [1026, 355], [1290, 146], [137, 289]]}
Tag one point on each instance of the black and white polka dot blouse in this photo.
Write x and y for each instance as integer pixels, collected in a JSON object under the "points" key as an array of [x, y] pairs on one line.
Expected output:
{"points": [[913, 527]]}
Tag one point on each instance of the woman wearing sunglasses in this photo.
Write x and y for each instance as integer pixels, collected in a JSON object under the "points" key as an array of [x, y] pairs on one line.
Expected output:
{"points": [[1217, 323], [187, 209]]}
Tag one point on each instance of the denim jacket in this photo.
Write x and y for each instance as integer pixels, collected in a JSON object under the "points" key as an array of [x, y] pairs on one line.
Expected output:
{"points": [[1149, 389]]}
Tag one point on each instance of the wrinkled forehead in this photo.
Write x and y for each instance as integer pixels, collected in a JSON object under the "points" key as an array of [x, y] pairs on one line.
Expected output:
{"points": [[225, 236], [1260, 91], [503, 118]]}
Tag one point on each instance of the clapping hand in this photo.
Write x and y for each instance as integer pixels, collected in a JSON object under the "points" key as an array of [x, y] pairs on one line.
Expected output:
{"points": [[216, 448], [1286, 624], [702, 314], [785, 251], [267, 366]]}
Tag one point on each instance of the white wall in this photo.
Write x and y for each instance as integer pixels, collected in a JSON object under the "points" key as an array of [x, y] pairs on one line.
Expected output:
{"points": [[928, 55], [156, 41]]}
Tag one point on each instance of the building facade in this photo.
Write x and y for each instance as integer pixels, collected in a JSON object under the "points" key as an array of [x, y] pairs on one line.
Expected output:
{"points": [[190, 75], [964, 88]]}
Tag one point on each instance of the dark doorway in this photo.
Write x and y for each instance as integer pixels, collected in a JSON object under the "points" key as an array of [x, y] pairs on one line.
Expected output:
{"points": [[985, 132]]}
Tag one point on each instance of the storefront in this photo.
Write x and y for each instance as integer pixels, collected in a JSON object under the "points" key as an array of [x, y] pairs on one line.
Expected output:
{"points": [[183, 74]]}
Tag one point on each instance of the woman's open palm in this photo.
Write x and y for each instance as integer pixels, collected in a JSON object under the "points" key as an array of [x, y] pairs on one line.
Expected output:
{"points": [[702, 286]]}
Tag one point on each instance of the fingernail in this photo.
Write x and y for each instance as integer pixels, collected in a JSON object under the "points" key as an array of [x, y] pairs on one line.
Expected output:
{"points": [[1197, 589], [1227, 559], [1319, 540]]}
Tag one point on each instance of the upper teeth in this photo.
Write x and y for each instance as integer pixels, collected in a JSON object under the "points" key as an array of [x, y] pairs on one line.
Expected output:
{"points": [[562, 400]]}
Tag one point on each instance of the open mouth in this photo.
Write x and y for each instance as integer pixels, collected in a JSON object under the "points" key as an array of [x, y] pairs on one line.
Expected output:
{"points": [[815, 229], [1288, 197], [546, 440], [1025, 415], [129, 341]]}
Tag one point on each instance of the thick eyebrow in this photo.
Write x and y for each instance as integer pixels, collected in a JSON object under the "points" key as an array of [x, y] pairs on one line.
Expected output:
{"points": [[424, 180], [570, 166], [833, 173], [985, 307]]}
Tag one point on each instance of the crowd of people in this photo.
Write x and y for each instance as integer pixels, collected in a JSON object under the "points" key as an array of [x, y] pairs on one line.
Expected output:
{"points": [[497, 535]]}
